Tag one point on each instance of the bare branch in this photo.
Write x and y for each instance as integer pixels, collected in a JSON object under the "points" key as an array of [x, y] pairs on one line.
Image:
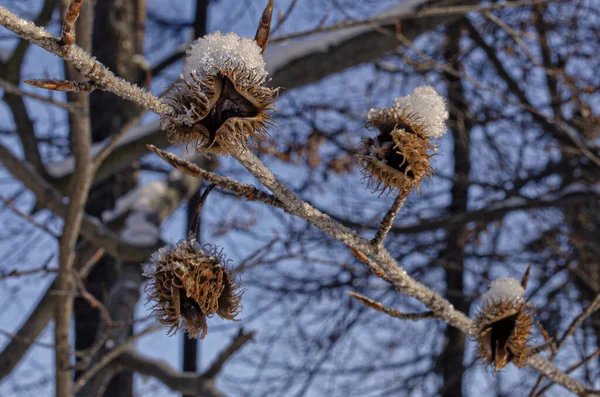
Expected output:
{"points": [[13, 89], [183, 382], [249, 192], [390, 312], [397, 276], [91, 228], [40, 317], [264, 27], [81, 143], [388, 220], [18, 273], [67, 34], [82, 61], [109, 357], [62, 85], [236, 344], [112, 144]]}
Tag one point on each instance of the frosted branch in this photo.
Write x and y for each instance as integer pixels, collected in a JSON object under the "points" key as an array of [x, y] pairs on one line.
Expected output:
{"points": [[82, 61]]}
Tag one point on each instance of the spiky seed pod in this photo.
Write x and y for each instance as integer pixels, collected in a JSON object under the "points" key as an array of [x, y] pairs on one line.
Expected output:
{"points": [[220, 102], [398, 157], [188, 283], [504, 323]]}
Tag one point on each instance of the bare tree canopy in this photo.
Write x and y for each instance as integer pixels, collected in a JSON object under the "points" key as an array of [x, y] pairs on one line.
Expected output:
{"points": [[299, 198]]}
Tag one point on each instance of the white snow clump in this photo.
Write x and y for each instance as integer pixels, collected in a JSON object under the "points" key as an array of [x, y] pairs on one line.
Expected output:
{"points": [[505, 289], [428, 106], [215, 50]]}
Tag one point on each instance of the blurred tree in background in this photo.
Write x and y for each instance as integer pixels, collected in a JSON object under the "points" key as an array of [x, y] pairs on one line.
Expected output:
{"points": [[517, 181]]}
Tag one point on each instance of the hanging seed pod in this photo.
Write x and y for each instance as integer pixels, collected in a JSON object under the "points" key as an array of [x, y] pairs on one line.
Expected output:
{"points": [[188, 283], [398, 157], [504, 323], [221, 102]]}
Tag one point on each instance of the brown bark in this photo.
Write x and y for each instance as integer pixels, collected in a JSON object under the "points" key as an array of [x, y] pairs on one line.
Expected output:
{"points": [[452, 357], [116, 39]]}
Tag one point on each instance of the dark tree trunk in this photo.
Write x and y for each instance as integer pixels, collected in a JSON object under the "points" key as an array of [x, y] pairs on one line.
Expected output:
{"points": [[191, 347], [117, 37], [451, 360]]}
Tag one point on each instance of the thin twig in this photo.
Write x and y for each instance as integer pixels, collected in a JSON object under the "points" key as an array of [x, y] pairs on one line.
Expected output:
{"points": [[110, 356], [62, 85], [397, 276], [67, 34], [81, 183], [27, 341], [82, 61], [13, 89], [18, 273], [9, 204], [92, 301], [426, 13], [236, 344], [391, 312], [114, 141], [388, 220], [196, 218], [568, 371], [587, 312], [249, 192]]}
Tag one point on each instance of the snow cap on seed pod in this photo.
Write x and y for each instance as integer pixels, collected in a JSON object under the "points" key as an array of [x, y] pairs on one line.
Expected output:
{"points": [[220, 103], [188, 283], [398, 157], [504, 323]]}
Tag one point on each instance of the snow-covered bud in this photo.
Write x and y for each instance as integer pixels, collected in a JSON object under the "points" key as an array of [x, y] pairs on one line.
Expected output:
{"points": [[398, 158], [220, 101], [504, 323], [188, 283]]}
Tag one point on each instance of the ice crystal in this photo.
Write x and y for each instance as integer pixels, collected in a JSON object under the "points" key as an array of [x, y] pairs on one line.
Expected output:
{"points": [[428, 106], [217, 50], [505, 289]]}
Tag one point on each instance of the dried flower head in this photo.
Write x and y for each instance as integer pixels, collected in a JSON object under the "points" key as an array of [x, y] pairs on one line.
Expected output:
{"points": [[188, 283], [220, 101], [504, 323], [398, 158]]}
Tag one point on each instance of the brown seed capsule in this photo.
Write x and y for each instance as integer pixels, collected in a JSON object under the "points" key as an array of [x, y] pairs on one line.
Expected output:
{"points": [[188, 283], [504, 323], [220, 102], [398, 158]]}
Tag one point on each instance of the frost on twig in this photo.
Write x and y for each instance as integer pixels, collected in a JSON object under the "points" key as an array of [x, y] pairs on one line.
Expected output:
{"points": [[83, 62]]}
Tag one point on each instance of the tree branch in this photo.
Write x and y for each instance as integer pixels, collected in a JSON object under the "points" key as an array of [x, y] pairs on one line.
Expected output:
{"points": [[236, 344], [388, 219], [395, 274], [82, 61], [183, 382], [91, 228]]}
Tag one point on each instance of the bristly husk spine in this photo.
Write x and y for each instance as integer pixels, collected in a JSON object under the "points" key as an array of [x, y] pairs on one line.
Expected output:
{"points": [[188, 283], [398, 158], [517, 342], [504, 323], [194, 104]]}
